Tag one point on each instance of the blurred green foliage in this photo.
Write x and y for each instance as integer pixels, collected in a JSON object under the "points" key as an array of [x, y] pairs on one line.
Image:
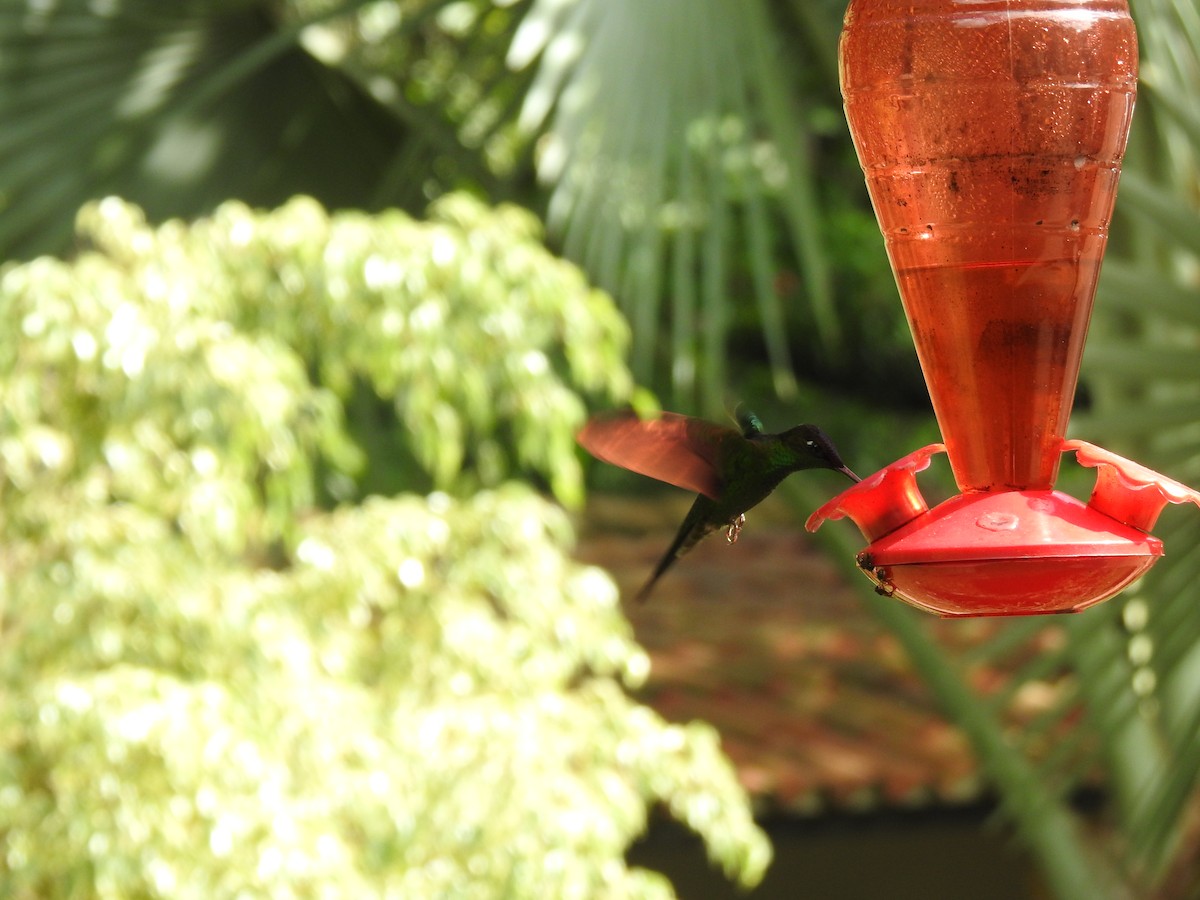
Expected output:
{"points": [[727, 219], [215, 686], [479, 342]]}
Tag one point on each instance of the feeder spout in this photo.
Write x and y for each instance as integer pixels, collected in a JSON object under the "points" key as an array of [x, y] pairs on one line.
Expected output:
{"points": [[882, 502], [1128, 491]]}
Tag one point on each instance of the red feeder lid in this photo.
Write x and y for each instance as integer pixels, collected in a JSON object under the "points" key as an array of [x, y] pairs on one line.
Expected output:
{"points": [[1011, 525], [1008, 552]]}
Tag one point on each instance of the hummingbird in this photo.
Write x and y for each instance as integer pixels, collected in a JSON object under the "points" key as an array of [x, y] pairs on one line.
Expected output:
{"points": [[730, 470]]}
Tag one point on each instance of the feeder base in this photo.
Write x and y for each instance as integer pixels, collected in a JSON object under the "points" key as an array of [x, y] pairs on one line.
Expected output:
{"points": [[1009, 553]]}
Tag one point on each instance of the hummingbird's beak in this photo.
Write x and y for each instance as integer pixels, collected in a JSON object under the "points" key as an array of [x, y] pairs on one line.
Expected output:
{"points": [[846, 471]]}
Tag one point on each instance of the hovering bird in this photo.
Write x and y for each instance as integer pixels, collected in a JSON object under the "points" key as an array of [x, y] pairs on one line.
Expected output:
{"points": [[732, 471]]}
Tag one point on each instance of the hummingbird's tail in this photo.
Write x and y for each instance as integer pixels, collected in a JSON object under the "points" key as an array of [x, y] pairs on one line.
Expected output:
{"points": [[694, 528], [643, 593], [673, 553]]}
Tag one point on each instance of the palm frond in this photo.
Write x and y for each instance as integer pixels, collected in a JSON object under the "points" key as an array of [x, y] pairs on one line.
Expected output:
{"points": [[1158, 207], [175, 106], [668, 133], [1140, 369], [1038, 807]]}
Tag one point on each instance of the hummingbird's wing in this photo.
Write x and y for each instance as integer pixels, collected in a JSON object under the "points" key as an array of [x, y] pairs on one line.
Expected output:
{"points": [[679, 450]]}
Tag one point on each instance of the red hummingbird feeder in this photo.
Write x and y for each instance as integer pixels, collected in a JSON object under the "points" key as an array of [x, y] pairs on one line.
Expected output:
{"points": [[991, 134]]}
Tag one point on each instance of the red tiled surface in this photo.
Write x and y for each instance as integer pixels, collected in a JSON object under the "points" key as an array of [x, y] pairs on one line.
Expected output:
{"points": [[816, 704]]}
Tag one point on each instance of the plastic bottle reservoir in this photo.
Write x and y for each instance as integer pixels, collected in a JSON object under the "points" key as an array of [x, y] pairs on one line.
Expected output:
{"points": [[991, 134]]}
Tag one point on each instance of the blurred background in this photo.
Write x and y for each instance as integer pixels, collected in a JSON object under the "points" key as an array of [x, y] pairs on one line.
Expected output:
{"points": [[307, 590]]}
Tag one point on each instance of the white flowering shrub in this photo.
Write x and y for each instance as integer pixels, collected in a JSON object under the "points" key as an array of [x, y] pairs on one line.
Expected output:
{"points": [[216, 681]]}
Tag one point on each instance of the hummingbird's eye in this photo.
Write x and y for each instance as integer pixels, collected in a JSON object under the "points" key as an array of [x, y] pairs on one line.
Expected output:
{"points": [[810, 443]]}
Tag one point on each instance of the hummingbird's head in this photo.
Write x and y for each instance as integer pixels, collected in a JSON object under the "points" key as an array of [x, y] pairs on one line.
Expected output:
{"points": [[812, 445]]}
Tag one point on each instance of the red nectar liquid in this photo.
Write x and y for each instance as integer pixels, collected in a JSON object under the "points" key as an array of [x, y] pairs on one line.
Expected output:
{"points": [[991, 134]]}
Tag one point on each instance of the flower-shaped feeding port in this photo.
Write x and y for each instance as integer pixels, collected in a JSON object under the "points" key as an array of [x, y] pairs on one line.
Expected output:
{"points": [[991, 134], [1007, 552]]}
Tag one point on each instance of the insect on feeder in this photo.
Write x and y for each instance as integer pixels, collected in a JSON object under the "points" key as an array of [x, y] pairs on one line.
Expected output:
{"points": [[991, 134]]}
